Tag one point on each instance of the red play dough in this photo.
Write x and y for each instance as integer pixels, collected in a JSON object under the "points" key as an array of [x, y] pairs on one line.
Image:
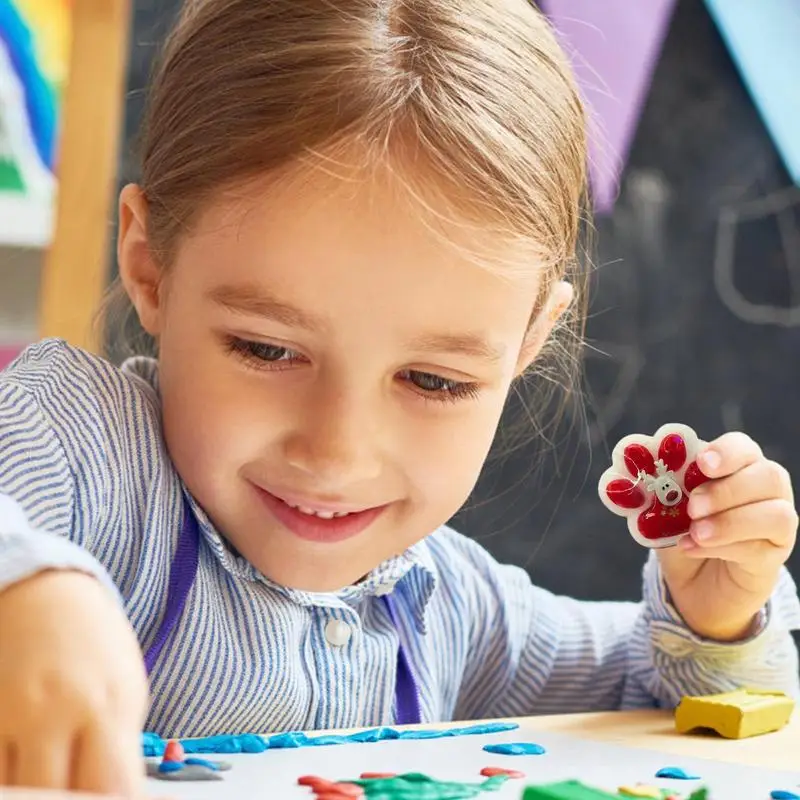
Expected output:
{"points": [[376, 776], [348, 790], [174, 752], [315, 782], [491, 772]]}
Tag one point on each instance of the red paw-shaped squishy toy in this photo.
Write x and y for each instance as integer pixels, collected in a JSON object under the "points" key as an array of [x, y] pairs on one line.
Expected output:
{"points": [[649, 482]]}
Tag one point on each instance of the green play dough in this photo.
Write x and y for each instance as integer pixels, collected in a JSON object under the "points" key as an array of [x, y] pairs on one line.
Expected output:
{"points": [[566, 790], [414, 786]]}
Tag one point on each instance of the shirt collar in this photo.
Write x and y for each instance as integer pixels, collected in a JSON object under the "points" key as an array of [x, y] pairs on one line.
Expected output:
{"points": [[411, 575]]}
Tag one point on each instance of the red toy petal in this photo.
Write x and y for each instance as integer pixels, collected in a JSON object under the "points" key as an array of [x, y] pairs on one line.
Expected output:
{"points": [[693, 477], [672, 451], [664, 522], [639, 458], [624, 493]]}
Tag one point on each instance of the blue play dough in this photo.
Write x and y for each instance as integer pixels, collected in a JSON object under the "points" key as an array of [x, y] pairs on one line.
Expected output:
{"points": [[782, 794], [515, 749], [170, 766], [153, 745], [201, 762], [676, 773]]}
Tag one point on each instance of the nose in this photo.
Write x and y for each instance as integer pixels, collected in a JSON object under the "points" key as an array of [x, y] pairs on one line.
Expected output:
{"points": [[672, 496], [336, 439]]}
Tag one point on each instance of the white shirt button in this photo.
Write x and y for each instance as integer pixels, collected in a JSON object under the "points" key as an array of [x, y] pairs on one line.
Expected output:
{"points": [[338, 633]]}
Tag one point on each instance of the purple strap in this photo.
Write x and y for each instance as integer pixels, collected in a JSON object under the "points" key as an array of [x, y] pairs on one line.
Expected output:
{"points": [[181, 578], [406, 695]]}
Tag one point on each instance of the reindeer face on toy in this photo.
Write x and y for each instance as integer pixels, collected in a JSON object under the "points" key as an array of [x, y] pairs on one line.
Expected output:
{"points": [[666, 488], [649, 483]]}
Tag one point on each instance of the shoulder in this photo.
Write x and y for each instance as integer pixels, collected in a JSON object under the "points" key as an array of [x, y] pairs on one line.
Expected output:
{"points": [[103, 417], [69, 383], [52, 366], [466, 569], [103, 424]]}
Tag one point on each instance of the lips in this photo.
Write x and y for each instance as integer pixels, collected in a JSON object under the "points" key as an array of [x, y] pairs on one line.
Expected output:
{"points": [[319, 524]]}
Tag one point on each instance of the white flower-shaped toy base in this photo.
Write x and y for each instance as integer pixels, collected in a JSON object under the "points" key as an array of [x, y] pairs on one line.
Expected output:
{"points": [[649, 482]]}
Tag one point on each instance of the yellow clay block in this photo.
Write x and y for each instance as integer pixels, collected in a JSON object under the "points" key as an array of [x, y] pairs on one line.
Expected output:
{"points": [[735, 715], [640, 791]]}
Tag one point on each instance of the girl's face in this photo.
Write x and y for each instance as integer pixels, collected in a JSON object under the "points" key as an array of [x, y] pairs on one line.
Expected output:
{"points": [[321, 350]]}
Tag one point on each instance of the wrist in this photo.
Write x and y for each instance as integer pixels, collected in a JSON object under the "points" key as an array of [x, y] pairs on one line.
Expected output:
{"points": [[726, 631]]}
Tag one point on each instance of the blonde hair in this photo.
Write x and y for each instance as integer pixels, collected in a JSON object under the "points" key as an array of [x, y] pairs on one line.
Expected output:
{"points": [[480, 88]]}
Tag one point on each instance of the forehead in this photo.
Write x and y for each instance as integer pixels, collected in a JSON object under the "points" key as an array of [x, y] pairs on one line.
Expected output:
{"points": [[315, 230]]}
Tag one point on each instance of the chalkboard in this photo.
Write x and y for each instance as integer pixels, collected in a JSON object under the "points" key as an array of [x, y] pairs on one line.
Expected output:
{"points": [[695, 312]]}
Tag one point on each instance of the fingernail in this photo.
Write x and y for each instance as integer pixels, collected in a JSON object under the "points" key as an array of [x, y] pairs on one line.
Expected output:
{"points": [[711, 459], [702, 531]]}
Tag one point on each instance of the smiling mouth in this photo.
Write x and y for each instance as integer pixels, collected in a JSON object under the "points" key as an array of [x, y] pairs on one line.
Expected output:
{"points": [[318, 524]]}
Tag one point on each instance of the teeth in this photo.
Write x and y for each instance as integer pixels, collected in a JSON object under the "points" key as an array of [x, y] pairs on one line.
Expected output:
{"points": [[321, 514]]}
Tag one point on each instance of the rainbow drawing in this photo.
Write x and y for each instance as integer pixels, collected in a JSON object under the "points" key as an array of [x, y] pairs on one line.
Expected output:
{"points": [[34, 54]]}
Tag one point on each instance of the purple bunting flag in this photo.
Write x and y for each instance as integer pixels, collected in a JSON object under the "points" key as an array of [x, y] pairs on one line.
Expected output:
{"points": [[614, 45]]}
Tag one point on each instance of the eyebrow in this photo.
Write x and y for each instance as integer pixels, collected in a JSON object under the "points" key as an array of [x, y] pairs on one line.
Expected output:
{"points": [[251, 300], [468, 344], [256, 302]]}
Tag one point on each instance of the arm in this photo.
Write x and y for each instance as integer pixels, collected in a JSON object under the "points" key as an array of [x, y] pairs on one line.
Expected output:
{"points": [[537, 653], [37, 493], [76, 671]]}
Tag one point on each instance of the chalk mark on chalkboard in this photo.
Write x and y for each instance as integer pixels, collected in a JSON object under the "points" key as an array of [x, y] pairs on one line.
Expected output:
{"points": [[781, 205], [732, 416]]}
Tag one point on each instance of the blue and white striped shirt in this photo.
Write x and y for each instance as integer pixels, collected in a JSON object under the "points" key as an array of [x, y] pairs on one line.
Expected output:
{"points": [[82, 455]]}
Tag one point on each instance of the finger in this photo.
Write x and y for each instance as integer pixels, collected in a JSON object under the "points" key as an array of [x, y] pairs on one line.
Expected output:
{"points": [[761, 480], [752, 552], [728, 454], [107, 762], [44, 763], [773, 521]]}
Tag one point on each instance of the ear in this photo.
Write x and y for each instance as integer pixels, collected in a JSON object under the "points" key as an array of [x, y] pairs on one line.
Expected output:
{"points": [[138, 270], [557, 303]]}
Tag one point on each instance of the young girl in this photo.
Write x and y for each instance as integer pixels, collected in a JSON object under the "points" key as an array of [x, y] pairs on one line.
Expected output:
{"points": [[356, 227]]}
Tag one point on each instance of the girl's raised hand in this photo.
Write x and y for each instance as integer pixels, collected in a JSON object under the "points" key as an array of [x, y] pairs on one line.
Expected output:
{"points": [[744, 526]]}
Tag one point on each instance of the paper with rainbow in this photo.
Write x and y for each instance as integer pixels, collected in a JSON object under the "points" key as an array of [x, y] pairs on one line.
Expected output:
{"points": [[34, 56]]}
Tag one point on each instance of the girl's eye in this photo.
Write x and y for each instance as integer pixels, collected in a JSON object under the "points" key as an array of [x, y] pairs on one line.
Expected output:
{"points": [[260, 353], [434, 387]]}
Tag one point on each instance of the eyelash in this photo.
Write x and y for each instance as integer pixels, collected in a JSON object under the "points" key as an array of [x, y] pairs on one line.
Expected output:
{"points": [[261, 355], [257, 354]]}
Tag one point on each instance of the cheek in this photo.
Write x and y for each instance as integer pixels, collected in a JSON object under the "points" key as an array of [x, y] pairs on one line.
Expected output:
{"points": [[450, 454], [212, 419]]}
